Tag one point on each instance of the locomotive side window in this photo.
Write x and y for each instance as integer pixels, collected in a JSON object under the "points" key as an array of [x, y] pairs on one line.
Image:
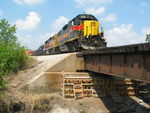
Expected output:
{"points": [[83, 16], [91, 17], [72, 23], [77, 21]]}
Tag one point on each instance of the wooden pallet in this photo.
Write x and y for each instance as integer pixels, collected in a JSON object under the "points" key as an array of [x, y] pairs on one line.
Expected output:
{"points": [[78, 90]]}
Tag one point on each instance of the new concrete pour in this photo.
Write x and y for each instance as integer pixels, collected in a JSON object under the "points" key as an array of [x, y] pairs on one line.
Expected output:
{"points": [[55, 66]]}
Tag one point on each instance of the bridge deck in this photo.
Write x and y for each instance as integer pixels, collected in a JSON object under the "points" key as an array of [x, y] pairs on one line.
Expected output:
{"points": [[130, 61]]}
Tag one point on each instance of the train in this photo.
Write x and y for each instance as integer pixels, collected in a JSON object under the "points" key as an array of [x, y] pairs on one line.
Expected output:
{"points": [[82, 32]]}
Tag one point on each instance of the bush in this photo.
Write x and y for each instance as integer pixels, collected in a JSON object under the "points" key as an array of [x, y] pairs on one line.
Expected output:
{"points": [[12, 54]]}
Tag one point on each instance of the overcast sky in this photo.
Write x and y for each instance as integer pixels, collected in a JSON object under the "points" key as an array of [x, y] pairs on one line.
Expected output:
{"points": [[124, 21]]}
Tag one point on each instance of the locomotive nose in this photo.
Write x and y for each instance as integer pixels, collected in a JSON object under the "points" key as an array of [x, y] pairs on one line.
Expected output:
{"points": [[91, 28]]}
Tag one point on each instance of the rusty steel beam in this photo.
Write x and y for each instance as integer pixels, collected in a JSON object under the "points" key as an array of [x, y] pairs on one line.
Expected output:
{"points": [[130, 61]]}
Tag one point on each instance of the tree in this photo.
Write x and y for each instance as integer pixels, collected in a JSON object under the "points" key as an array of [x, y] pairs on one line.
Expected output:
{"points": [[12, 54], [148, 38]]}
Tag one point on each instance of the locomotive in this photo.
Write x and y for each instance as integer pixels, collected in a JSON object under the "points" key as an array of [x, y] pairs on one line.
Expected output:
{"points": [[82, 32]]}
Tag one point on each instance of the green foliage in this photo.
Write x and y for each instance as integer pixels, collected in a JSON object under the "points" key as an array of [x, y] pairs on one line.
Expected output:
{"points": [[12, 54], [148, 38]]}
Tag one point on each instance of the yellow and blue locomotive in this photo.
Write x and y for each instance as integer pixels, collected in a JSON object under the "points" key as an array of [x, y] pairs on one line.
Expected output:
{"points": [[82, 32]]}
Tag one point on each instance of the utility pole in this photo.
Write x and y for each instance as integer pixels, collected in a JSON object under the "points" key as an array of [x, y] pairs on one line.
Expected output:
{"points": [[147, 38]]}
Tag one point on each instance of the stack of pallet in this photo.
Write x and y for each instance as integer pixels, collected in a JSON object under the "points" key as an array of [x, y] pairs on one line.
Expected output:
{"points": [[94, 86], [78, 90]]}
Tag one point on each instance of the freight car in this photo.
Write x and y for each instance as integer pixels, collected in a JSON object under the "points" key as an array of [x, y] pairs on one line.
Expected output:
{"points": [[82, 32]]}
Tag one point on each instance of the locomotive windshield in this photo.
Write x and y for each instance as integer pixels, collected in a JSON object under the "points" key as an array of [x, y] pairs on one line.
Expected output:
{"points": [[87, 17]]}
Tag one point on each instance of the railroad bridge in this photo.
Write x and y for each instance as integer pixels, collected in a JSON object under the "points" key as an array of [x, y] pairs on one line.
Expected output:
{"points": [[125, 64], [130, 61]]}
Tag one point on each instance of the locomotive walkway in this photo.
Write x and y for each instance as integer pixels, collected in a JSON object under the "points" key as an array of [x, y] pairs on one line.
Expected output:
{"points": [[130, 61]]}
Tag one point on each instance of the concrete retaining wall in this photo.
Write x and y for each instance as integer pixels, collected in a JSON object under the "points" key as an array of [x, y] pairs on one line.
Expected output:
{"points": [[69, 64]]}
